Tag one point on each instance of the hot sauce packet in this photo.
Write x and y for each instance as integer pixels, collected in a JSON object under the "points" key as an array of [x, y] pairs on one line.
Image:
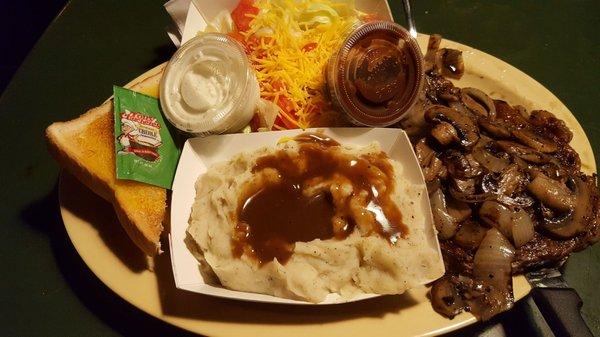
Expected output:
{"points": [[145, 149]]}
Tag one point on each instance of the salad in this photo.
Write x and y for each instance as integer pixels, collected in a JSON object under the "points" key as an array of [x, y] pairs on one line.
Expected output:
{"points": [[288, 44]]}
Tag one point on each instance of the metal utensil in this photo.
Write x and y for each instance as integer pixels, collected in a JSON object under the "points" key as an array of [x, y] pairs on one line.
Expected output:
{"points": [[412, 29], [558, 302]]}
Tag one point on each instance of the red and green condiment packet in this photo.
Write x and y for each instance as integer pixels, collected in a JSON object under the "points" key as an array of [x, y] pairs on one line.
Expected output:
{"points": [[145, 148]]}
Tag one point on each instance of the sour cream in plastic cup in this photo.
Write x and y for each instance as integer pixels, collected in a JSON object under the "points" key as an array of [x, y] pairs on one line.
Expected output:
{"points": [[208, 87]]}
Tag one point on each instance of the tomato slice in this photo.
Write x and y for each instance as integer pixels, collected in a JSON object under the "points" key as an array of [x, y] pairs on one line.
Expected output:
{"points": [[309, 46], [288, 109], [240, 14], [277, 85], [285, 123], [286, 105]]}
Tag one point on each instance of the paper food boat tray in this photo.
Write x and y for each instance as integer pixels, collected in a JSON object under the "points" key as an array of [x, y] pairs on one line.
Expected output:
{"points": [[200, 153]]}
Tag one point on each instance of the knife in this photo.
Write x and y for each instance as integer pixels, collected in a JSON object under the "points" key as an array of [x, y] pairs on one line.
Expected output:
{"points": [[559, 304]]}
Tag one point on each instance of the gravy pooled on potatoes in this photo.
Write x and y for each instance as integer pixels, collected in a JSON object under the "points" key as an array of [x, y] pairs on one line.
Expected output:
{"points": [[320, 193]]}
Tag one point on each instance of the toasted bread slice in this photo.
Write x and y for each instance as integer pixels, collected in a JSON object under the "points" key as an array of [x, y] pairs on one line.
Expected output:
{"points": [[85, 147]]}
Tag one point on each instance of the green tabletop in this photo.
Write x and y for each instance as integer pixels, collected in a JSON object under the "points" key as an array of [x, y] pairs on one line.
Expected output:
{"points": [[46, 289]]}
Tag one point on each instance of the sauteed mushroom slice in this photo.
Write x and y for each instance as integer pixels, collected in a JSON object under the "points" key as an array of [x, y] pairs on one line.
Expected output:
{"points": [[446, 298], [436, 169], [467, 131], [444, 133], [492, 162], [524, 152], [433, 45], [461, 165], [535, 140], [511, 180], [451, 98], [431, 165], [470, 198], [450, 63], [478, 102], [520, 200], [573, 222], [439, 89], [466, 186], [508, 187], [495, 128]]}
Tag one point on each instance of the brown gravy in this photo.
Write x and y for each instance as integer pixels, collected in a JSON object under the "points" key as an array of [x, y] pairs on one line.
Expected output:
{"points": [[302, 205], [382, 74], [316, 138]]}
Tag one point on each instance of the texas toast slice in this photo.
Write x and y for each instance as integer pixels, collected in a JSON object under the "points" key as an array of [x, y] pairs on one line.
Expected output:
{"points": [[85, 147]]}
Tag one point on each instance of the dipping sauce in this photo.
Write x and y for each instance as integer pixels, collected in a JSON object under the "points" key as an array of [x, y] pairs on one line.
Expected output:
{"points": [[376, 76], [320, 193], [208, 86]]}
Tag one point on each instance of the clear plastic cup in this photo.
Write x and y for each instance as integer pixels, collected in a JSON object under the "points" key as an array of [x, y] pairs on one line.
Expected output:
{"points": [[208, 86], [376, 75]]}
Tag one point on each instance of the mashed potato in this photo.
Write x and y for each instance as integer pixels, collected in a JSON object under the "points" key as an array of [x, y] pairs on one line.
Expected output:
{"points": [[356, 264]]}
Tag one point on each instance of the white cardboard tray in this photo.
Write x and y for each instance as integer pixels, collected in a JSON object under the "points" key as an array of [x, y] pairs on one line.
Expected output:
{"points": [[199, 153]]}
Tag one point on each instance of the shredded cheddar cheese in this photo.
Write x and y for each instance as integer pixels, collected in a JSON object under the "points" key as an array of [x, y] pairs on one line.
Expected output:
{"points": [[289, 43]]}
